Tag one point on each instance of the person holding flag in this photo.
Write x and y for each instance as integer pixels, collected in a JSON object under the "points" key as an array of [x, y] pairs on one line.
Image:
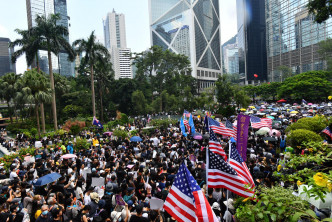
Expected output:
{"points": [[97, 123]]}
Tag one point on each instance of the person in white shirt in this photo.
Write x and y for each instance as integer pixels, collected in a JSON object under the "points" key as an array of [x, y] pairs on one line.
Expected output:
{"points": [[87, 198]]}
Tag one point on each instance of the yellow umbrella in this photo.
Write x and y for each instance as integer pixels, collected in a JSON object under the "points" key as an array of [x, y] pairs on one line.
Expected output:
{"points": [[294, 112], [243, 109], [252, 107]]}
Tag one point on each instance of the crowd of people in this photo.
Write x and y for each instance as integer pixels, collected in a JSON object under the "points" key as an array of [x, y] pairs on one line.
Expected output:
{"points": [[133, 174]]}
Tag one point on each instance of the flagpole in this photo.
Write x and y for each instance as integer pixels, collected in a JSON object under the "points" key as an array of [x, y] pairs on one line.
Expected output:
{"points": [[229, 155], [207, 157]]}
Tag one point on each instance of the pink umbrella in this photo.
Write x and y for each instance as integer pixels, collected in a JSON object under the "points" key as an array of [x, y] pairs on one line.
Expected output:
{"points": [[309, 104], [108, 133], [68, 156], [276, 132], [198, 136]]}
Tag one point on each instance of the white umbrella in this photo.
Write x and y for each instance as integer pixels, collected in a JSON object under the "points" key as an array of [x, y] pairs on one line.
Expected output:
{"points": [[263, 131], [273, 114]]}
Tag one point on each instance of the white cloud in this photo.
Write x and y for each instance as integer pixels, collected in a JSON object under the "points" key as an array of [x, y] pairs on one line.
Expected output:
{"points": [[228, 19]]}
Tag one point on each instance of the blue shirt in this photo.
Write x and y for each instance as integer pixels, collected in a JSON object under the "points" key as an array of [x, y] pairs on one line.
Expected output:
{"points": [[70, 149]]}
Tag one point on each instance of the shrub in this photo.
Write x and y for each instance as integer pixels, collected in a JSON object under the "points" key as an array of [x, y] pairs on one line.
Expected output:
{"points": [[133, 132], [296, 126], [148, 131], [227, 111], [33, 132], [298, 137], [81, 144], [68, 125], [316, 124], [120, 133], [75, 129], [163, 123]]}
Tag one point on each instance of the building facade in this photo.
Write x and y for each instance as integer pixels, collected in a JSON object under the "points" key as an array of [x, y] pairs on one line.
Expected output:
{"points": [[60, 63], [293, 37], [231, 56], [191, 28], [6, 52], [252, 40], [116, 43]]}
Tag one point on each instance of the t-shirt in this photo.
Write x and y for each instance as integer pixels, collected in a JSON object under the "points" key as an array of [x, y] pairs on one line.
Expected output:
{"points": [[135, 218], [13, 175], [78, 192]]}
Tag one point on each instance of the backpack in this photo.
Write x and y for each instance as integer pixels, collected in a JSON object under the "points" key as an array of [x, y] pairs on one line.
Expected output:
{"points": [[97, 217]]}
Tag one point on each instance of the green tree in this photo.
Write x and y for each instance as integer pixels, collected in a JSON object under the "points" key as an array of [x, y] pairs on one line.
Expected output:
{"points": [[94, 51], [325, 50], [240, 97], [321, 9], [8, 85], [311, 86], [53, 39], [285, 72], [139, 102], [225, 91], [36, 91]]}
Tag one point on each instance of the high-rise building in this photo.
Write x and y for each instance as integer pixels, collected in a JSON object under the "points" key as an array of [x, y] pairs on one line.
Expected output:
{"points": [[293, 37], [6, 52], [116, 43], [191, 28], [231, 56], [251, 40], [60, 63]]}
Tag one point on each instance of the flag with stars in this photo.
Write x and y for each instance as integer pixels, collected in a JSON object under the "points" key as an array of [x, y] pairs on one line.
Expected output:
{"points": [[215, 146], [236, 161], [220, 128], [258, 123], [96, 122], [327, 131], [186, 202], [222, 175]]}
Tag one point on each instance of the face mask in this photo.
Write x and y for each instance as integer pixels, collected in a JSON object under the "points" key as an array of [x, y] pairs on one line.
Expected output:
{"points": [[27, 190], [45, 212]]}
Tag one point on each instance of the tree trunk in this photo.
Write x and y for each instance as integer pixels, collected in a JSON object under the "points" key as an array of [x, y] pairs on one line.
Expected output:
{"points": [[101, 105], [93, 91], [42, 116], [10, 113], [37, 117], [53, 90]]}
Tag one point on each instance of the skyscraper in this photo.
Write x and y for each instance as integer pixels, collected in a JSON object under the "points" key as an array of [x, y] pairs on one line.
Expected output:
{"points": [[116, 43], [293, 37], [231, 56], [6, 64], [60, 63], [191, 28], [252, 40]]}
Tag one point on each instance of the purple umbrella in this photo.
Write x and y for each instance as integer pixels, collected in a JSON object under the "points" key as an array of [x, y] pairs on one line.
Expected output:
{"points": [[198, 136], [108, 133]]}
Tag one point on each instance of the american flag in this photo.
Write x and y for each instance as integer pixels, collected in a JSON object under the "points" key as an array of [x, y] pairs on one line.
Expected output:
{"points": [[186, 113], [225, 130], [258, 123], [215, 146], [186, 201], [222, 175], [236, 161], [186, 123], [327, 131]]}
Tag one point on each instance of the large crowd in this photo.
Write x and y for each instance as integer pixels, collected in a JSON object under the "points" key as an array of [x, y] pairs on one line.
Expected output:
{"points": [[132, 174]]}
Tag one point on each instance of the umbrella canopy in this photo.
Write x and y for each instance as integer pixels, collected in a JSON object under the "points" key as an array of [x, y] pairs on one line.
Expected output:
{"points": [[206, 136], [198, 136], [281, 101], [263, 131], [309, 104], [270, 139], [252, 107], [294, 112], [275, 132], [108, 133], [135, 139], [242, 109], [276, 124], [68, 156], [273, 114], [49, 178], [270, 117]]}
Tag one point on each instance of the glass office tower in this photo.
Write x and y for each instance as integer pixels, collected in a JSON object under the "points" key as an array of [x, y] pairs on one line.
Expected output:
{"points": [[293, 37], [191, 28], [60, 63], [251, 40]]}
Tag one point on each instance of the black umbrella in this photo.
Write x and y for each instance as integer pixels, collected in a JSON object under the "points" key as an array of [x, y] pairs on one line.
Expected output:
{"points": [[270, 139]]}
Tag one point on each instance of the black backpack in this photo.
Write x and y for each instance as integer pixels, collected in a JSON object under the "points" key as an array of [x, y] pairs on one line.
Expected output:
{"points": [[97, 217]]}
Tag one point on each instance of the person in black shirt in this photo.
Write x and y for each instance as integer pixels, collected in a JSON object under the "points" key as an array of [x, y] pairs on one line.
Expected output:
{"points": [[138, 217]]}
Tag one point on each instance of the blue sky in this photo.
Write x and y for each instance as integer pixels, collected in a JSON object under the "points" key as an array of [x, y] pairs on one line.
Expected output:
{"points": [[87, 15]]}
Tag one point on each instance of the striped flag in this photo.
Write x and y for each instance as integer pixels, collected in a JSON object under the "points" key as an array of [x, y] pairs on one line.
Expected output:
{"points": [[219, 128], [186, 123], [258, 123], [215, 146], [186, 202], [236, 161], [222, 175], [327, 131]]}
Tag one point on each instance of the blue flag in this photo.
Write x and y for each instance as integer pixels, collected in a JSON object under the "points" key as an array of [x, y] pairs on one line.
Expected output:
{"points": [[183, 129], [96, 122], [192, 125]]}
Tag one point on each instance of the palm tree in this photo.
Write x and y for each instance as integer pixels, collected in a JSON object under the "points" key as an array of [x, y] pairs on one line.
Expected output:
{"points": [[94, 52], [8, 90], [30, 44], [36, 91], [104, 76], [53, 40]]}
